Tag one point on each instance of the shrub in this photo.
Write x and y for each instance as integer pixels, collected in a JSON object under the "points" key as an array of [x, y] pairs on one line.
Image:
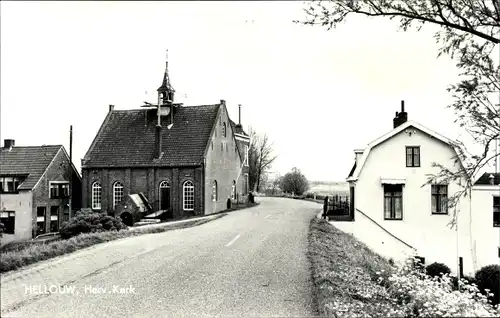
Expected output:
{"points": [[2, 229], [419, 295], [90, 222], [437, 269], [488, 279]]}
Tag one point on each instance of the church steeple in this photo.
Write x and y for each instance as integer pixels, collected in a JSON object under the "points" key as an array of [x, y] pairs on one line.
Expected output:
{"points": [[166, 91]]}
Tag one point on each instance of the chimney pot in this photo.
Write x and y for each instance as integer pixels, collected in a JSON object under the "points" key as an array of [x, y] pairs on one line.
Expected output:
{"points": [[223, 102], [111, 108], [9, 143]]}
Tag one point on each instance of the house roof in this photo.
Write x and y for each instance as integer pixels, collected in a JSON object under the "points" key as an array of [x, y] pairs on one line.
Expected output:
{"points": [[484, 179], [352, 170], [31, 161], [392, 133], [127, 138]]}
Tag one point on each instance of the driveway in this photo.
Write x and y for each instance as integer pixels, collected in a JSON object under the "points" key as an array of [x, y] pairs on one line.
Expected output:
{"points": [[251, 262]]}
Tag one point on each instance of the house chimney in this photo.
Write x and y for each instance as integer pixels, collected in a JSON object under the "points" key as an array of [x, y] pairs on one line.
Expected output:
{"points": [[239, 114], [223, 102], [71, 143], [401, 117], [9, 143], [492, 179], [111, 108], [358, 153], [158, 142]]}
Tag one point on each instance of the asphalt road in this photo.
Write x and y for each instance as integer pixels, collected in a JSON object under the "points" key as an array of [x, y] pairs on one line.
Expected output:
{"points": [[251, 262]]}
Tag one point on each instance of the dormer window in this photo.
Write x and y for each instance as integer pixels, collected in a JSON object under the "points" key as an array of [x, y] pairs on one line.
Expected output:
{"points": [[9, 184]]}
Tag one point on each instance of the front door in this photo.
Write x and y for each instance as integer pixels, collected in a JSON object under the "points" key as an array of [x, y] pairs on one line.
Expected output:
{"points": [[165, 200]]}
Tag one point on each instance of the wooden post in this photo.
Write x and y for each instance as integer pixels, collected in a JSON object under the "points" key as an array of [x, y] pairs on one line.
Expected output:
{"points": [[461, 266]]}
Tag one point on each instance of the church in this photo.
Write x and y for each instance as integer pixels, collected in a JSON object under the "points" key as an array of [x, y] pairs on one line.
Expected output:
{"points": [[184, 160]]}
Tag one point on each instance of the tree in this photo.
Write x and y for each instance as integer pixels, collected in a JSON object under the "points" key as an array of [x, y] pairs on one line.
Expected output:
{"points": [[294, 182], [276, 183], [260, 159], [469, 31]]}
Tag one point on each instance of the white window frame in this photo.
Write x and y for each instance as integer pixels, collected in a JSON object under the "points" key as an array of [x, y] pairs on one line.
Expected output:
{"points": [[96, 194], [214, 191], [233, 190], [246, 156], [188, 195], [118, 193], [58, 183]]}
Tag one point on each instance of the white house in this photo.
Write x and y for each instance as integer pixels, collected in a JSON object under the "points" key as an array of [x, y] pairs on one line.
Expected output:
{"points": [[397, 214]]}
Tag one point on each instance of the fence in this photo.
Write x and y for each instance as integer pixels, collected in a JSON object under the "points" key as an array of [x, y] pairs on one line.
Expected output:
{"points": [[337, 206]]}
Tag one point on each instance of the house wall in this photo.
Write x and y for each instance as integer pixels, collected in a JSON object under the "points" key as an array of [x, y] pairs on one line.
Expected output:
{"points": [[486, 238], [222, 165], [21, 203], [428, 233], [146, 180], [60, 169]]}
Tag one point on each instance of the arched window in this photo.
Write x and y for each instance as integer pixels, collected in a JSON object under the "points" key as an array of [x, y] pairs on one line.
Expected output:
{"points": [[117, 193], [233, 190], [224, 129], [164, 184], [188, 196], [214, 191], [96, 195]]}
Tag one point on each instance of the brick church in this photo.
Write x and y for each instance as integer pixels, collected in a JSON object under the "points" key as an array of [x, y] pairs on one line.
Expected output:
{"points": [[185, 160]]}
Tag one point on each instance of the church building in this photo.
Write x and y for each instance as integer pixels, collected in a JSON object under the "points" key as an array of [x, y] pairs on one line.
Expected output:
{"points": [[185, 160]]}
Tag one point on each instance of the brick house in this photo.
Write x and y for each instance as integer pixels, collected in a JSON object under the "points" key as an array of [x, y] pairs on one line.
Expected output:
{"points": [[186, 160], [39, 187]]}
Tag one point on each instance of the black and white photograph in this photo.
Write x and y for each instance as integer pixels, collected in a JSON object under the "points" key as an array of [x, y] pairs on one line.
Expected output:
{"points": [[324, 158]]}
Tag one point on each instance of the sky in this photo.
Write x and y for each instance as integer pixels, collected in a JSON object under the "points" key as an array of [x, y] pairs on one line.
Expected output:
{"points": [[317, 94]]}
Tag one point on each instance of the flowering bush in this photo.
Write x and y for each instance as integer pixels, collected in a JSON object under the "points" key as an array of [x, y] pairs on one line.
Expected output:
{"points": [[488, 278], [419, 295]]}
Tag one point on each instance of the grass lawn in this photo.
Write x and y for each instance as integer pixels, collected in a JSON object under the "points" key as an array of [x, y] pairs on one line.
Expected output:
{"points": [[344, 273], [19, 255]]}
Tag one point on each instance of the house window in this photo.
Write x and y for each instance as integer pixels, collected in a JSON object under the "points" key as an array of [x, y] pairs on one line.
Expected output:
{"points": [[59, 190], [496, 211], [8, 218], [9, 184], [246, 156], [393, 201], [65, 214], [214, 191], [233, 190], [117, 193], [54, 218], [224, 129], [40, 220], [413, 156], [221, 146], [188, 196], [212, 145], [439, 198], [96, 196]]}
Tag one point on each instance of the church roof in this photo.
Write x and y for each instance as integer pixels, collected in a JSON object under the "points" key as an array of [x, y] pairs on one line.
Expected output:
{"points": [[127, 138], [29, 161]]}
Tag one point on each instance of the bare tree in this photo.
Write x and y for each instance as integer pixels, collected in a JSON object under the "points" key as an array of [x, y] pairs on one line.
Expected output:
{"points": [[260, 158], [469, 31]]}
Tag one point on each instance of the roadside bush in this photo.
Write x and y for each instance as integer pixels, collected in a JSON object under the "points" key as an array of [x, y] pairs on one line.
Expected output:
{"points": [[2, 229], [90, 222], [488, 280], [419, 295], [437, 269]]}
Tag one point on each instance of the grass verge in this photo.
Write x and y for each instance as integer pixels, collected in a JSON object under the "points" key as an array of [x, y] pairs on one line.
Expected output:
{"points": [[30, 254], [344, 274]]}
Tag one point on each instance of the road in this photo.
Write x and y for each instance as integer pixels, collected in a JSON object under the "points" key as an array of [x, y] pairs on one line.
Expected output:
{"points": [[251, 262]]}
